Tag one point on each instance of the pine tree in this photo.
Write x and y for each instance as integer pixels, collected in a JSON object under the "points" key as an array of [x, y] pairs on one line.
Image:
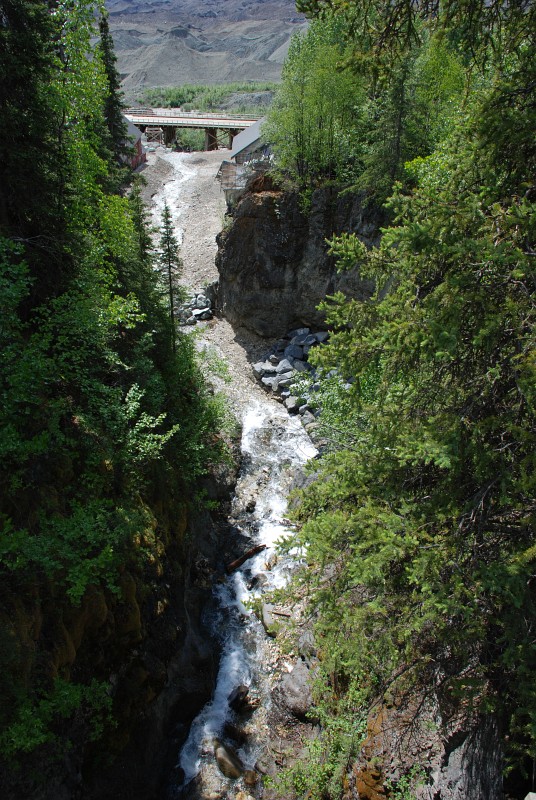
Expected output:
{"points": [[113, 107], [140, 218], [28, 157], [170, 264]]}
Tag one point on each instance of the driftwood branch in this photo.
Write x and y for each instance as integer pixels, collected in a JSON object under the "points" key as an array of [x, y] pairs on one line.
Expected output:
{"points": [[234, 565]]}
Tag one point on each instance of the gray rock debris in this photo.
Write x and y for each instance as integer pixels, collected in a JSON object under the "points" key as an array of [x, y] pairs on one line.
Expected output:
{"points": [[284, 364], [197, 308]]}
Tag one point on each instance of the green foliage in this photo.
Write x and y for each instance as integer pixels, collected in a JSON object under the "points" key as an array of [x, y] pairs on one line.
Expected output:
{"points": [[340, 423], [100, 413], [407, 114], [384, 31], [425, 518], [330, 753], [329, 121], [190, 139], [29, 170], [170, 265], [36, 722], [113, 105], [405, 787], [192, 97], [419, 529], [216, 364], [312, 119]]}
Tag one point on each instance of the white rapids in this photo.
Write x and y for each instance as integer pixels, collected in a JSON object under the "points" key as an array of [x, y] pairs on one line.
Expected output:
{"points": [[274, 444]]}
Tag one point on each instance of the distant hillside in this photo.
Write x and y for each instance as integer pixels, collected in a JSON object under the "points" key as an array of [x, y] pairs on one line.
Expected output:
{"points": [[200, 41]]}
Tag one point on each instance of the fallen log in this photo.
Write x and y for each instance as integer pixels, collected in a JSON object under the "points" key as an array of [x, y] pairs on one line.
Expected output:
{"points": [[234, 565]]}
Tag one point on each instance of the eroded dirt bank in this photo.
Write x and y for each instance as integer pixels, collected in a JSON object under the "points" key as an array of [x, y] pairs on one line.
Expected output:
{"points": [[188, 182]]}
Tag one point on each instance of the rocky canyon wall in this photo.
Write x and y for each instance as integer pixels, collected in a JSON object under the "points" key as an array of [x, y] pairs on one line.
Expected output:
{"points": [[147, 642], [273, 257]]}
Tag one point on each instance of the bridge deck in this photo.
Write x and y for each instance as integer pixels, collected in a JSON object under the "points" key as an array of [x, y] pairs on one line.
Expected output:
{"points": [[190, 120]]}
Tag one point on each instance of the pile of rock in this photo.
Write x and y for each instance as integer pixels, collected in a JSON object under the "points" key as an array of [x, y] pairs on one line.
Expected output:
{"points": [[196, 309], [288, 358]]}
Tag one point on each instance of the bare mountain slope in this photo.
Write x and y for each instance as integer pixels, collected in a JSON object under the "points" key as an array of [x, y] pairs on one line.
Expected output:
{"points": [[200, 41]]}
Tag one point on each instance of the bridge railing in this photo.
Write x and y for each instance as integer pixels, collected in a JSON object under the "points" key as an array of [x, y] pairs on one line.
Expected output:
{"points": [[150, 112]]}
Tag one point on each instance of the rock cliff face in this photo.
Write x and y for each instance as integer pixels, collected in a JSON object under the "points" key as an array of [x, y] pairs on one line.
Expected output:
{"points": [[148, 643], [453, 755], [172, 670], [273, 259]]}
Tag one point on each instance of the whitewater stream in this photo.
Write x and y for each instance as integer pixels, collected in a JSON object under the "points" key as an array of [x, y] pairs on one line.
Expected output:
{"points": [[274, 445], [274, 448]]}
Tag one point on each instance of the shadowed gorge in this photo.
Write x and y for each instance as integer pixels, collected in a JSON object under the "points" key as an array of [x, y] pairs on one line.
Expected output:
{"points": [[267, 430]]}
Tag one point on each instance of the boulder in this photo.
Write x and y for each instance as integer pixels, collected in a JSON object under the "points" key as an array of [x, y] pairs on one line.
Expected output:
{"points": [[266, 766], [283, 382], [235, 734], [300, 366], [296, 691], [263, 368], [228, 760], [202, 313], [269, 381], [269, 622], [211, 293], [257, 582], [284, 366], [298, 332], [293, 351], [306, 646], [292, 404], [250, 777], [238, 697]]}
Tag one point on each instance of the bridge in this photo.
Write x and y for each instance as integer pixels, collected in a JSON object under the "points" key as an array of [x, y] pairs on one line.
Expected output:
{"points": [[161, 126]]}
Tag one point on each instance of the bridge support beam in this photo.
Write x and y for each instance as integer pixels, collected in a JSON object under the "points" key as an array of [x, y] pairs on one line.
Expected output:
{"points": [[232, 134], [169, 134], [211, 138]]}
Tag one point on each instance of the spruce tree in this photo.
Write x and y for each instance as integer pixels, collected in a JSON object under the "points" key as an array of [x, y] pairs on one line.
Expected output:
{"points": [[140, 218], [28, 154], [113, 107], [170, 264]]}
